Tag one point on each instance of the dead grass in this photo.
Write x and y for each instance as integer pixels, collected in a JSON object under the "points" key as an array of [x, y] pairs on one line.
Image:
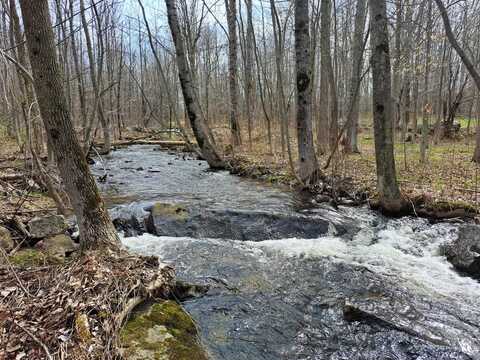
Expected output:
{"points": [[448, 176]]}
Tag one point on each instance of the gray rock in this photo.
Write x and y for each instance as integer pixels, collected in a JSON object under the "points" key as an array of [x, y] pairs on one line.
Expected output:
{"points": [[464, 252], [59, 246], [41, 227], [175, 220], [6, 241]]}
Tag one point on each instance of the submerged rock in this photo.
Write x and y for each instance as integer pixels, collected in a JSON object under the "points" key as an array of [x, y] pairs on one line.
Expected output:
{"points": [[184, 290], [41, 227], [129, 226], [464, 252], [178, 221], [165, 331], [6, 241]]}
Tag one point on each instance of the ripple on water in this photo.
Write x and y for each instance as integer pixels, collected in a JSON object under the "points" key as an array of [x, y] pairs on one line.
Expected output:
{"points": [[284, 299]]}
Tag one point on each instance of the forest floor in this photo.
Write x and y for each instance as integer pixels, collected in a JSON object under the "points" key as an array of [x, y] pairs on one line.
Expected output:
{"points": [[447, 182], [19, 195]]}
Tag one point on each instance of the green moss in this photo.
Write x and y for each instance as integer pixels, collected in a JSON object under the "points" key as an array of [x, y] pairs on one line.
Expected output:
{"points": [[169, 210], [83, 328], [29, 257], [164, 332]]}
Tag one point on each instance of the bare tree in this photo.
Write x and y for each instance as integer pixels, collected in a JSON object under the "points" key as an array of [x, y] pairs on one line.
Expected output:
{"points": [[96, 68], [390, 199], [249, 63], [466, 61], [192, 104], [231, 6], [325, 67], [308, 167], [96, 228], [358, 47]]}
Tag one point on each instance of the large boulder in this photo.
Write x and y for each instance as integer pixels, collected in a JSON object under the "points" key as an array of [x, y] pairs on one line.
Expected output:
{"points": [[175, 220], [6, 241], [45, 226], [464, 252], [163, 331]]}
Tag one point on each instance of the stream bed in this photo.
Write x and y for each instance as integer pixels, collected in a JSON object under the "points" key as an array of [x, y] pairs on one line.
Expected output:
{"points": [[364, 287]]}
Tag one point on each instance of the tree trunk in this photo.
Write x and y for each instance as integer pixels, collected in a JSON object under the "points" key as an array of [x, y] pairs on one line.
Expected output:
{"points": [[425, 110], [249, 79], [231, 6], [96, 228], [308, 167], [357, 65], [192, 105], [466, 61], [323, 104], [98, 104], [390, 200]]}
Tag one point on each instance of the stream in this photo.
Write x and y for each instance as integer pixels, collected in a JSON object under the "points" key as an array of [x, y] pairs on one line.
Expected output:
{"points": [[361, 287]]}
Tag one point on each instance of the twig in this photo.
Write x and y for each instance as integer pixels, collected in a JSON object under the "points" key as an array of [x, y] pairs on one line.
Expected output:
{"points": [[4, 254], [37, 340]]}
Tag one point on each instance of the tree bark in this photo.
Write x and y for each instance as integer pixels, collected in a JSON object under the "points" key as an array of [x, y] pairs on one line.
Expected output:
{"points": [[98, 103], [192, 105], [96, 228], [249, 78], [323, 116], [308, 166], [390, 200], [357, 65], [425, 113], [231, 6]]}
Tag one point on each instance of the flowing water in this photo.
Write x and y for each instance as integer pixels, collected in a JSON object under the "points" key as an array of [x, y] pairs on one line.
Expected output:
{"points": [[380, 291]]}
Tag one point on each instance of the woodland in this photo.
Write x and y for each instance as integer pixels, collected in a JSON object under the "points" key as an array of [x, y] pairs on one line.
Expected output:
{"points": [[367, 105]]}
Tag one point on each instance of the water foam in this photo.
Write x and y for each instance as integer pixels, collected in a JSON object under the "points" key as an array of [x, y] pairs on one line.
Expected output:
{"points": [[399, 250]]}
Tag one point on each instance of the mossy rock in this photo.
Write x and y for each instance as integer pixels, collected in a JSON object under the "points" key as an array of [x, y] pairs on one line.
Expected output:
{"points": [[29, 257], [173, 211], [164, 332]]}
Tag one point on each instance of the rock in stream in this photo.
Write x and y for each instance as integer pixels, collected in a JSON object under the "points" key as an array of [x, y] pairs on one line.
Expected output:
{"points": [[322, 284]]}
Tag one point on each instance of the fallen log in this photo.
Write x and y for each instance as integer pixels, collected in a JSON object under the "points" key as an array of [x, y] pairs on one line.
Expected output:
{"points": [[161, 143]]}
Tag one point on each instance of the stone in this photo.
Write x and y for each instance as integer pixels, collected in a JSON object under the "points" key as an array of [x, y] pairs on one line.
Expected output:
{"points": [[184, 290], [59, 246], [464, 252], [175, 220], [6, 241], [129, 226], [164, 331], [41, 227]]}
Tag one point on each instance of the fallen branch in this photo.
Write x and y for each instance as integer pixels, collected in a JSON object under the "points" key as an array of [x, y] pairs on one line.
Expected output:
{"points": [[161, 143], [37, 340]]}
